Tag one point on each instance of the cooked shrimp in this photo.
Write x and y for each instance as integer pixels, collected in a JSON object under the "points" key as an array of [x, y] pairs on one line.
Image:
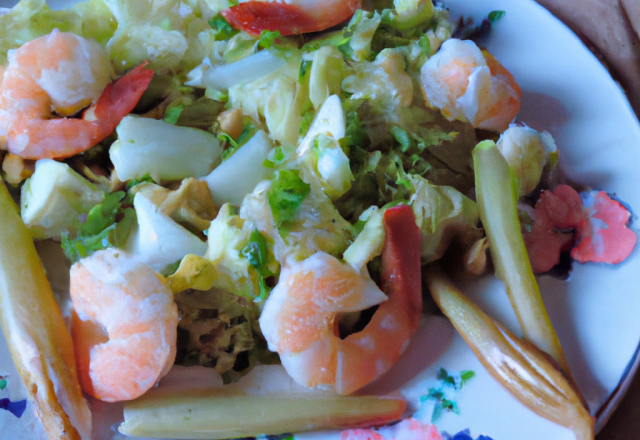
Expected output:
{"points": [[290, 17], [463, 81], [63, 73], [300, 318], [124, 325]]}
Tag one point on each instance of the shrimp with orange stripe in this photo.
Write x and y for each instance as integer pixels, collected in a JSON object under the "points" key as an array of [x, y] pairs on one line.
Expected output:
{"points": [[300, 318], [54, 77], [468, 83]]}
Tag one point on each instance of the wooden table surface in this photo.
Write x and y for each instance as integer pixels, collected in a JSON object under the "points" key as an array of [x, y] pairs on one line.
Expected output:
{"points": [[610, 28]]}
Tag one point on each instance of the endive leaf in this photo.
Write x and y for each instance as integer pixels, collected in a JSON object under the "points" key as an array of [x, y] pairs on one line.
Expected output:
{"points": [[38, 339], [497, 196], [266, 401], [527, 373]]}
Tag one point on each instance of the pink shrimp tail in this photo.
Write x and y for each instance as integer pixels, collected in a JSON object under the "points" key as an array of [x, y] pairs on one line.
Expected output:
{"points": [[63, 137]]}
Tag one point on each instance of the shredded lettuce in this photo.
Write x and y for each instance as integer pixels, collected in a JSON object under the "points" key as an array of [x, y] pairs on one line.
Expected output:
{"points": [[223, 30], [31, 19], [100, 230], [238, 266], [383, 82], [360, 32], [442, 213], [285, 197], [56, 199], [328, 69], [239, 47], [256, 253], [275, 100], [317, 225]]}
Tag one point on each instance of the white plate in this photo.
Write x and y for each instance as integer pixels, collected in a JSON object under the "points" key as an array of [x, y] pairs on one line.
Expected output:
{"points": [[567, 92]]}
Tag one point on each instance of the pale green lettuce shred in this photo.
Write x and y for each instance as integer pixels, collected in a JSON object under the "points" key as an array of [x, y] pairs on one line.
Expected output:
{"points": [[231, 271], [442, 213], [383, 82], [97, 21], [369, 243], [328, 163], [363, 26], [169, 33], [275, 99], [240, 46], [54, 199], [317, 226], [412, 13], [328, 69]]}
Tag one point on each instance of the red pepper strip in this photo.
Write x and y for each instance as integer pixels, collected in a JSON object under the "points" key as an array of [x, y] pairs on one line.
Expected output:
{"points": [[396, 319], [401, 272], [256, 16], [560, 209], [253, 17], [603, 235], [119, 99]]}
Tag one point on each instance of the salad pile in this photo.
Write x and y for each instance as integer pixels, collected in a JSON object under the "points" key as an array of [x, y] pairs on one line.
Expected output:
{"points": [[261, 187]]}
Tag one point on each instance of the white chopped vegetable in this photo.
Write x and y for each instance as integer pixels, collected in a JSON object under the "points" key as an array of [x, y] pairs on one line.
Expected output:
{"points": [[240, 173], [158, 241], [328, 163], [369, 242], [163, 150], [329, 121], [275, 99], [328, 69], [224, 76], [322, 153], [523, 149], [135, 44], [54, 199]]}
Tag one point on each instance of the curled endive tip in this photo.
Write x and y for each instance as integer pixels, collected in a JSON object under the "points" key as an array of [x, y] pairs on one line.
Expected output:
{"points": [[527, 373]]}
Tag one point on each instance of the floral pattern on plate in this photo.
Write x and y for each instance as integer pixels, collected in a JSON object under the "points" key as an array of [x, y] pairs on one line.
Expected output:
{"points": [[14, 407]]}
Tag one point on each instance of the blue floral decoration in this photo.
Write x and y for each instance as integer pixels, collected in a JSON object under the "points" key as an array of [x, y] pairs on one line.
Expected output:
{"points": [[463, 435], [15, 408]]}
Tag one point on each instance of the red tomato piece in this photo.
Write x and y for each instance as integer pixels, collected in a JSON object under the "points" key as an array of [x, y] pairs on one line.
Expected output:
{"points": [[401, 270]]}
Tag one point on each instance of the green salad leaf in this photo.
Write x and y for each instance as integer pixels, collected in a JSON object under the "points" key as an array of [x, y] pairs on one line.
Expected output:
{"points": [[102, 215], [285, 196], [223, 29], [256, 253], [101, 229]]}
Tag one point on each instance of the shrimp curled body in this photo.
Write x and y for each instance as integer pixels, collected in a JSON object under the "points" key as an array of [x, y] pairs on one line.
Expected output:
{"points": [[112, 293], [291, 17], [56, 76], [299, 319], [464, 81]]}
